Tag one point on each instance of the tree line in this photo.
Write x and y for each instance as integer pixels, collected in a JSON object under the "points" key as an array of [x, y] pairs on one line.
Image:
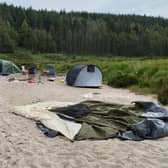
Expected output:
{"points": [[81, 32]]}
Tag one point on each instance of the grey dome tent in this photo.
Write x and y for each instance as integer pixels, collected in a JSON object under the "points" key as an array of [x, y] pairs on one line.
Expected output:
{"points": [[8, 67], [84, 76]]}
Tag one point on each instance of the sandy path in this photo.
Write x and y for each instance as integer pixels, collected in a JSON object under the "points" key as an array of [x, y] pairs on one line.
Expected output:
{"points": [[22, 145]]}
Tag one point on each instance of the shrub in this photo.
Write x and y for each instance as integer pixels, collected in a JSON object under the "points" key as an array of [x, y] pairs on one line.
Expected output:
{"points": [[123, 80], [163, 94]]}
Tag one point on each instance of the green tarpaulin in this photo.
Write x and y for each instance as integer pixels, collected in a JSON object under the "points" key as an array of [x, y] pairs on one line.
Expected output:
{"points": [[105, 120], [98, 120]]}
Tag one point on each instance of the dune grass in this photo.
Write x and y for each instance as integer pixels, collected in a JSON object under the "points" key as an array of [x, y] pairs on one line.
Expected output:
{"points": [[144, 75]]}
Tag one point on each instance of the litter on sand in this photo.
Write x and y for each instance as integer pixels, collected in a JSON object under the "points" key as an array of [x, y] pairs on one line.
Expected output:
{"points": [[88, 95], [98, 120], [51, 79]]}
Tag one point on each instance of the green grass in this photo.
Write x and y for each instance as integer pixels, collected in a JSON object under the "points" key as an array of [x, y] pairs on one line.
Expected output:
{"points": [[142, 75]]}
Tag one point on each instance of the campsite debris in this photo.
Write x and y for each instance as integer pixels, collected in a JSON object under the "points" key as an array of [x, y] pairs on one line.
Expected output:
{"points": [[77, 110], [49, 71], [96, 93], [102, 121], [23, 79], [62, 81], [32, 71], [17, 77], [30, 81], [40, 79], [11, 79], [88, 95], [24, 71], [51, 79], [48, 132], [39, 112]]}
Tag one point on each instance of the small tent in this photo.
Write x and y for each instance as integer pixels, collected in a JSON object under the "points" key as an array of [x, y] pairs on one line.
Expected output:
{"points": [[84, 76], [8, 67]]}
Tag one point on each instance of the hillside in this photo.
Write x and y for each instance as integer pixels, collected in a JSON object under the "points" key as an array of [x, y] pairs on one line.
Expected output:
{"points": [[81, 33]]}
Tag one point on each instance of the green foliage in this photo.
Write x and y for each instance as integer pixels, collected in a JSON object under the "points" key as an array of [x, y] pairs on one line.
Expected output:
{"points": [[7, 44], [138, 74], [163, 92], [123, 80], [81, 33]]}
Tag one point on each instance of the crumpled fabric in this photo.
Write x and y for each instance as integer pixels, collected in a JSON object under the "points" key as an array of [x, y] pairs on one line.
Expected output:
{"points": [[46, 131], [40, 112], [146, 129], [75, 111], [103, 121], [100, 120], [142, 120], [153, 126]]}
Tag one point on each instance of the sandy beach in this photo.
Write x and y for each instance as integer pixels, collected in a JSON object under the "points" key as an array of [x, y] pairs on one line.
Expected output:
{"points": [[22, 145]]}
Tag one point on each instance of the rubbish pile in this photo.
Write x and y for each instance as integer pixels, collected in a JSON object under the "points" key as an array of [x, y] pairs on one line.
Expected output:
{"points": [[98, 120]]}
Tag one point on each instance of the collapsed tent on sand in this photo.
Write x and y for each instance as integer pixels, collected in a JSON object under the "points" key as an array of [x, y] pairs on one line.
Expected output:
{"points": [[98, 120]]}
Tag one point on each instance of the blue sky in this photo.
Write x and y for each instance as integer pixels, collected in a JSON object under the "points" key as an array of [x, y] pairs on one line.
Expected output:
{"points": [[147, 7]]}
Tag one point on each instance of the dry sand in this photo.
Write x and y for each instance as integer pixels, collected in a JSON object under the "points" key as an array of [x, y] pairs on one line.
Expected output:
{"points": [[22, 145]]}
